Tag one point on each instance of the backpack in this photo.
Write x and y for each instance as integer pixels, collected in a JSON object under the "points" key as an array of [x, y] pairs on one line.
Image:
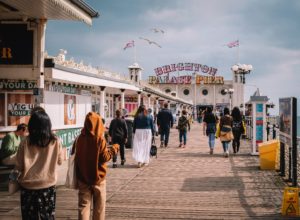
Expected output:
{"points": [[182, 123], [237, 126]]}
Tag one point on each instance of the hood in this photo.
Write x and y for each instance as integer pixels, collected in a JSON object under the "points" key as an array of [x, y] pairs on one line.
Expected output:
{"points": [[93, 125]]}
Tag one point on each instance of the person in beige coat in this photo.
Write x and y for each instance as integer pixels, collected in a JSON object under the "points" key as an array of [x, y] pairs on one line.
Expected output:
{"points": [[37, 160]]}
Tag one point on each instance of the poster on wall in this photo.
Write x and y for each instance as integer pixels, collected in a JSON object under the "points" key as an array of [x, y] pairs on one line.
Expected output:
{"points": [[2, 109], [259, 123], [18, 108], [131, 108], [69, 110]]}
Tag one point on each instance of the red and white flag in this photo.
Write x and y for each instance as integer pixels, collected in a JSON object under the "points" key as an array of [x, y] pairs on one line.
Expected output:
{"points": [[129, 44], [233, 44]]}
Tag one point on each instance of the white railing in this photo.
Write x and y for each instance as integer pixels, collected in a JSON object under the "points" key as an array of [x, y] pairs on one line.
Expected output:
{"points": [[61, 60]]}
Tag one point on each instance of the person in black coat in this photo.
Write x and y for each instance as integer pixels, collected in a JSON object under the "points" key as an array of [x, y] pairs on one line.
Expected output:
{"points": [[164, 123], [118, 133]]}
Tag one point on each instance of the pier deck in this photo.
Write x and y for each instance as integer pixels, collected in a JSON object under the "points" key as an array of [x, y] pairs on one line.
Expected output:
{"points": [[180, 184]]}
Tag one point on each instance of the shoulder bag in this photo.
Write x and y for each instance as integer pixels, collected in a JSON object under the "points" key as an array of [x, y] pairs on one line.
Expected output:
{"points": [[71, 180], [13, 184]]}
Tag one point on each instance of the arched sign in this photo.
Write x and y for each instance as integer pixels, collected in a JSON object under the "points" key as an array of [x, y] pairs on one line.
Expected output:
{"points": [[169, 74]]}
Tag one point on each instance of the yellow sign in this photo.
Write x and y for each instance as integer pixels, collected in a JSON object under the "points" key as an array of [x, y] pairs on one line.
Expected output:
{"points": [[290, 203], [209, 79], [6, 53]]}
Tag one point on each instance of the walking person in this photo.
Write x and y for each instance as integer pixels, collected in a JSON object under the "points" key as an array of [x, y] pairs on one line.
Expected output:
{"points": [[226, 135], [183, 126], [237, 129], [143, 134], [37, 160], [268, 130], [10, 145], [210, 126], [165, 122], [274, 131], [91, 157], [118, 133]]}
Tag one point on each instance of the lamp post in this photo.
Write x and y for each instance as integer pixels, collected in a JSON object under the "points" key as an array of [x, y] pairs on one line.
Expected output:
{"points": [[240, 70], [230, 92]]}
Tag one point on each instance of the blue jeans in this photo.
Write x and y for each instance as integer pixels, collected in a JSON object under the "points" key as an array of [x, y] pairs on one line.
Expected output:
{"points": [[182, 134], [211, 140], [225, 145], [164, 135]]}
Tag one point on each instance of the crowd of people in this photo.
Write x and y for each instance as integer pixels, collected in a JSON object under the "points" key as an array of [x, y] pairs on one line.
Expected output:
{"points": [[228, 128], [35, 151]]}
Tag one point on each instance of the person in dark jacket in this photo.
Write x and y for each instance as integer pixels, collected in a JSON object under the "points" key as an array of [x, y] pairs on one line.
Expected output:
{"points": [[237, 129], [183, 126], [164, 123], [210, 126], [118, 133]]}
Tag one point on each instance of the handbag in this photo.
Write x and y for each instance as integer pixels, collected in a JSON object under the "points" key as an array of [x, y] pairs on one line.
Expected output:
{"points": [[153, 149], [226, 136], [71, 180], [13, 184]]}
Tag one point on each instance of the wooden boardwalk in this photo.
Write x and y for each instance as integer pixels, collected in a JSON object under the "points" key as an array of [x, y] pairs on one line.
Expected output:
{"points": [[180, 184]]}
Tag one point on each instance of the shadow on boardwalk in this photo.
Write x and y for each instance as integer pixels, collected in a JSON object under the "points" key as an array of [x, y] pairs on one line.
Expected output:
{"points": [[180, 184]]}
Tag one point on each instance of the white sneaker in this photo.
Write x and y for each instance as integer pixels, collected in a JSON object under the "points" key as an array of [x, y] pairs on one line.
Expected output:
{"points": [[227, 154]]}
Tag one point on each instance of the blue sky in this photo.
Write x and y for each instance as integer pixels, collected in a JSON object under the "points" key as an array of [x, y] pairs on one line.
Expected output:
{"points": [[195, 31]]}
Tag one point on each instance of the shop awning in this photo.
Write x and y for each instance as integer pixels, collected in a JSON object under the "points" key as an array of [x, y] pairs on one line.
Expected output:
{"points": [[76, 10], [78, 77], [164, 95]]}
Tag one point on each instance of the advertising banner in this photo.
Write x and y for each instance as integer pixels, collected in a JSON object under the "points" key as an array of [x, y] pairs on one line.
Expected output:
{"points": [[69, 110], [259, 123], [16, 44], [18, 108], [285, 120]]}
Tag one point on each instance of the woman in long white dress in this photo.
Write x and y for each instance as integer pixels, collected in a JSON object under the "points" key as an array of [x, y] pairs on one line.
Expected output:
{"points": [[143, 133]]}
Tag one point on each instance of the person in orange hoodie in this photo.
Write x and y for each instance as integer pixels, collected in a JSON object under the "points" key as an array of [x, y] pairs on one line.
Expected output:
{"points": [[91, 157]]}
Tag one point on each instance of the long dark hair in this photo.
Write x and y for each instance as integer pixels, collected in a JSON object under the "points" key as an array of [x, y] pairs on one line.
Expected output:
{"points": [[141, 109], [236, 114], [226, 111], [39, 128]]}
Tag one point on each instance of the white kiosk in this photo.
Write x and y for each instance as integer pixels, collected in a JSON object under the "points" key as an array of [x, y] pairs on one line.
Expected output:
{"points": [[259, 123]]}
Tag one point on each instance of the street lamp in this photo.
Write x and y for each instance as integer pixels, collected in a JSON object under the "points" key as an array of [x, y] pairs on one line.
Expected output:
{"points": [[230, 92], [241, 70]]}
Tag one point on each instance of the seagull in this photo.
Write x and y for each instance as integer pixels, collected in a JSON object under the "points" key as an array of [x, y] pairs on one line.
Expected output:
{"points": [[156, 30], [150, 41]]}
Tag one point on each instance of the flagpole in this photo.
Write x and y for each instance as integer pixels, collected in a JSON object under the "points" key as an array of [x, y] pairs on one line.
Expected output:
{"points": [[238, 52], [134, 53]]}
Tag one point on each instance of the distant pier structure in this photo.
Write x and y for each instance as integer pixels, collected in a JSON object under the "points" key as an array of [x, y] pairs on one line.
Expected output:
{"points": [[200, 84]]}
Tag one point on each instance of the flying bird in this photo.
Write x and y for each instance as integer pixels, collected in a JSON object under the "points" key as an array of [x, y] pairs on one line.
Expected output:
{"points": [[156, 30], [150, 41]]}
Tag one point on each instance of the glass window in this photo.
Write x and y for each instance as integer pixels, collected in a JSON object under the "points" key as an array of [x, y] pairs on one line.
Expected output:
{"points": [[223, 92], [168, 90], [204, 92]]}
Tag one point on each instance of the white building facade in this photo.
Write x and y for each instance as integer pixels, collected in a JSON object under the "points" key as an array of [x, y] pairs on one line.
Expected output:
{"points": [[199, 84]]}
